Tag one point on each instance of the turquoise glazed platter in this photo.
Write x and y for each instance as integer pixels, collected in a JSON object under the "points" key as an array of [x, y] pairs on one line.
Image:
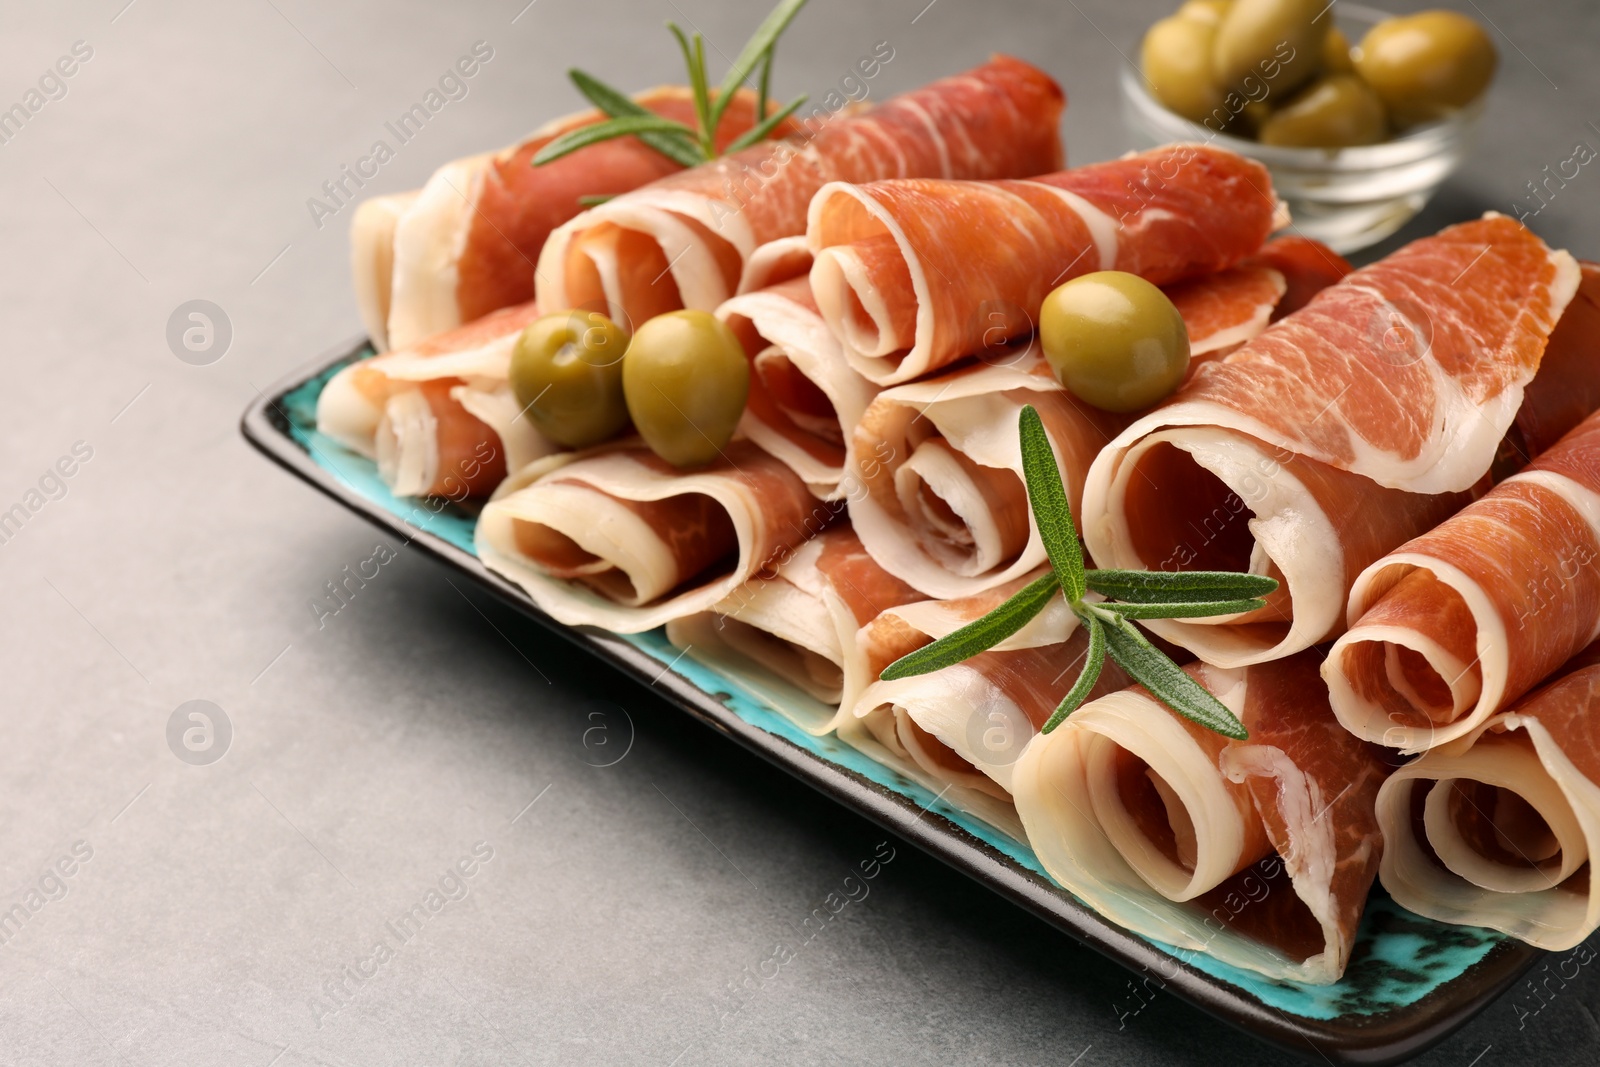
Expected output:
{"points": [[1411, 980]]}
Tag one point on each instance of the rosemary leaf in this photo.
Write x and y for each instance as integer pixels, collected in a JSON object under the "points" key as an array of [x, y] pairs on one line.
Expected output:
{"points": [[1048, 498], [1167, 683], [694, 58], [1178, 587], [764, 83], [760, 43], [584, 136], [1093, 660], [765, 127], [979, 635], [679, 147], [595, 201], [1186, 609]]}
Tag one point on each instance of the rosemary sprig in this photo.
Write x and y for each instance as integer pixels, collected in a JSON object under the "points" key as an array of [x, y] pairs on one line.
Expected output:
{"points": [[677, 141], [1131, 595]]}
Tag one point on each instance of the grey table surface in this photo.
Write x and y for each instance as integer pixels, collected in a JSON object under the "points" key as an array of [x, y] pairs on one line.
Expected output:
{"points": [[229, 913]]}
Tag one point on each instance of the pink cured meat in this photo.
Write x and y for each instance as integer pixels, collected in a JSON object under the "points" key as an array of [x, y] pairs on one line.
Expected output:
{"points": [[914, 274], [1454, 625], [1408, 372], [1341, 432], [684, 241]]}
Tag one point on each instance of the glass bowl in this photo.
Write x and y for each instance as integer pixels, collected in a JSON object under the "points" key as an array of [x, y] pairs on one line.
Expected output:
{"points": [[1347, 198]]}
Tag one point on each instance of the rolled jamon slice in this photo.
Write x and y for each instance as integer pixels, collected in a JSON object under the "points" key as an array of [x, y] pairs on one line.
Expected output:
{"points": [[439, 416], [935, 474], [683, 242], [1455, 625], [960, 730], [1499, 827], [804, 399], [1259, 853], [466, 243], [912, 275], [622, 540], [1341, 432], [798, 624]]}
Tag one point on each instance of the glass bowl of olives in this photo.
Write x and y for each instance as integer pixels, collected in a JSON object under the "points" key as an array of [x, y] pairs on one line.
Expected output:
{"points": [[1359, 116]]}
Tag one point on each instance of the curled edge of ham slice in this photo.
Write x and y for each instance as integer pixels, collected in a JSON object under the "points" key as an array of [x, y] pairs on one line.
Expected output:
{"points": [[1499, 827], [959, 731], [913, 274], [1198, 483], [431, 413], [620, 539], [804, 399], [372, 231], [1458, 623], [1258, 853], [797, 625], [983, 710], [934, 471], [701, 227]]}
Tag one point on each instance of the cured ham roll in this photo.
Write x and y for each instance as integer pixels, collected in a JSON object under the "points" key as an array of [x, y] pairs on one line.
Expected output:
{"points": [[465, 244], [1342, 431], [623, 540], [1456, 624], [798, 624], [960, 730], [912, 275], [1498, 827], [1259, 853], [935, 472], [439, 417], [684, 241], [804, 399], [974, 718]]}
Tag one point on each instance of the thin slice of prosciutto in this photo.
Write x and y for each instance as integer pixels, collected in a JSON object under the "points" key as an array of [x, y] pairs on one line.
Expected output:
{"points": [[1342, 431], [960, 730], [684, 241], [465, 244], [1455, 625], [1500, 826], [1259, 853], [439, 416], [804, 399], [798, 623], [912, 275], [934, 477], [620, 539]]}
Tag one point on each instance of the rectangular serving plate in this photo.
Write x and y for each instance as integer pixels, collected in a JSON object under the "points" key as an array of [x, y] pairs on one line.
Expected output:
{"points": [[1411, 981]]}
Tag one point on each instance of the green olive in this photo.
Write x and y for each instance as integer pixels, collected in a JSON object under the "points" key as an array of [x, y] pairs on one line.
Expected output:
{"points": [[1423, 66], [1175, 60], [1208, 11], [1272, 43], [1336, 58], [1115, 340], [566, 372], [686, 379], [1334, 112]]}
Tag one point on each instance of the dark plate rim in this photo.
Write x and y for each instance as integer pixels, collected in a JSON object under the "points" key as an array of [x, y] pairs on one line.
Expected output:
{"points": [[1383, 1038]]}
